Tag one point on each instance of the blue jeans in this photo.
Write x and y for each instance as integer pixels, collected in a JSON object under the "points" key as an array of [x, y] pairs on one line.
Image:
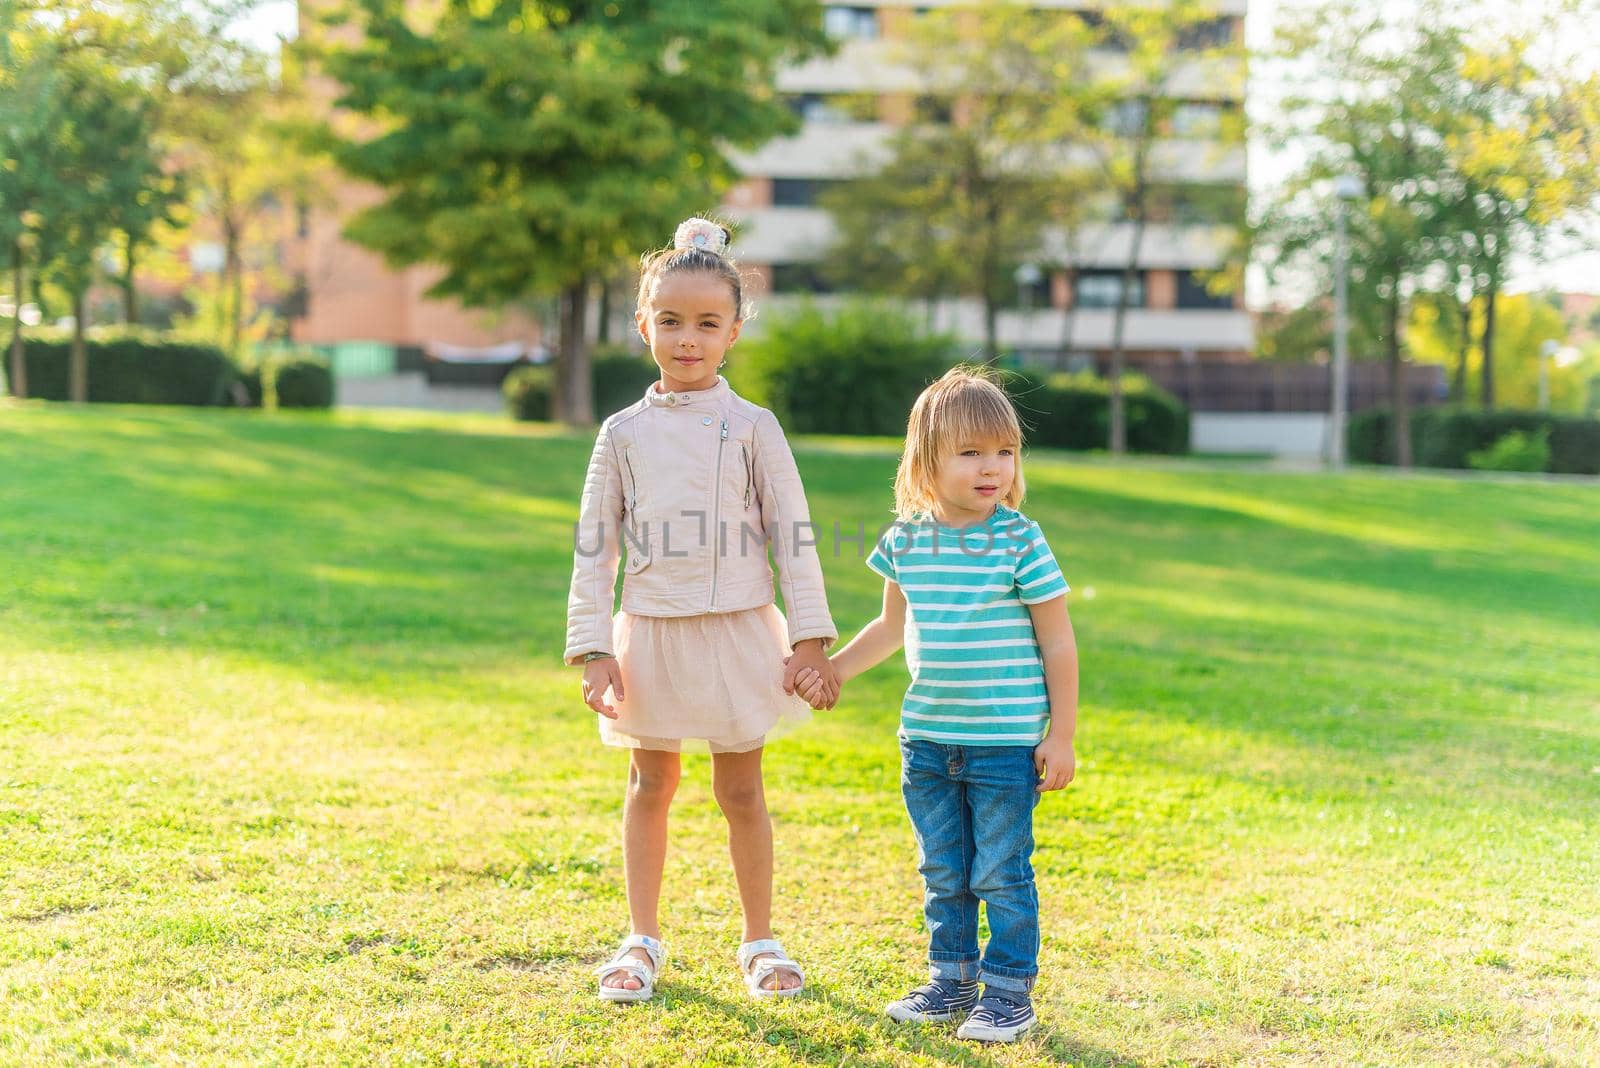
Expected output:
{"points": [[971, 807]]}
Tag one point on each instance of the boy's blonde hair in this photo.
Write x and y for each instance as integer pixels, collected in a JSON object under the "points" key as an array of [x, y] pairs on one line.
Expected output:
{"points": [[967, 405]]}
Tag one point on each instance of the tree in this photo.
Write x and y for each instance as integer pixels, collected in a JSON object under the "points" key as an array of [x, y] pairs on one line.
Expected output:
{"points": [[1522, 160], [1371, 115], [533, 146], [1165, 46], [975, 182], [27, 117]]}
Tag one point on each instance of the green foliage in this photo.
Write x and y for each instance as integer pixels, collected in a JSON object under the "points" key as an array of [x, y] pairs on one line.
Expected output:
{"points": [[1073, 411], [528, 148], [854, 371], [1516, 451], [1447, 437], [304, 380], [621, 375], [527, 391], [133, 368]]}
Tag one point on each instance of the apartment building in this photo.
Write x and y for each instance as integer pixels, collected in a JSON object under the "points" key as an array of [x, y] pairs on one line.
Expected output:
{"points": [[1063, 305]]}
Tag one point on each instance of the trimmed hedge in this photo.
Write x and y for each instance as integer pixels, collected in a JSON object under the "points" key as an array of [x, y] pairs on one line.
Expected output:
{"points": [[856, 371], [133, 368], [302, 381], [1073, 411], [527, 391], [1447, 436], [620, 377], [139, 368], [859, 370]]}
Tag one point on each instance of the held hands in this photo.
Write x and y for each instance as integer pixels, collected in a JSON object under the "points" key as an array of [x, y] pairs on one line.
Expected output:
{"points": [[808, 683], [599, 676], [1055, 762], [812, 675]]}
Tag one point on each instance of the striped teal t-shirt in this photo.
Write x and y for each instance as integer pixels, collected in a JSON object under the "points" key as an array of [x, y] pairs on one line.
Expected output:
{"points": [[976, 674]]}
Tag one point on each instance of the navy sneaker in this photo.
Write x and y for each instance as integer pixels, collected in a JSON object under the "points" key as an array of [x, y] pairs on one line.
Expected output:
{"points": [[1002, 1016], [940, 1001]]}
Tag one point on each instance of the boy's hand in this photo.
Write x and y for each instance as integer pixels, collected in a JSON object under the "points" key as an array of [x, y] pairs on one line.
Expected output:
{"points": [[599, 676], [809, 655], [810, 685], [1055, 762]]}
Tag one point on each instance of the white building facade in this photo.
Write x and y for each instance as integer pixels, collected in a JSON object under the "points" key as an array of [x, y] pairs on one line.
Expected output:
{"points": [[1063, 309]]}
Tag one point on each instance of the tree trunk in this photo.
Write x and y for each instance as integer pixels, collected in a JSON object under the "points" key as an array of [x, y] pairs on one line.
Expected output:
{"points": [[78, 364], [602, 333], [232, 271], [991, 339], [1119, 410], [1397, 387], [1459, 388], [1487, 345], [19, 362], [130, 295], [574, 391], [1068, 322]]}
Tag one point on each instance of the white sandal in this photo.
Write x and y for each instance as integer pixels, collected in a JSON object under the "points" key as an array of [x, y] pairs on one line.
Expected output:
{"points": [[766, 966], [622, 961]]}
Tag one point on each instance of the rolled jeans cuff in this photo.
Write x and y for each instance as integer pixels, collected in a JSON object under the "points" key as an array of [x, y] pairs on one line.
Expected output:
{"points": [[1007, 980], [964, 971]]}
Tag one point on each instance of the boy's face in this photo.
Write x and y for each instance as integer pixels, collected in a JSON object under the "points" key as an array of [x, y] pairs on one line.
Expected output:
{"points": [[974, 477], [689, 323]]}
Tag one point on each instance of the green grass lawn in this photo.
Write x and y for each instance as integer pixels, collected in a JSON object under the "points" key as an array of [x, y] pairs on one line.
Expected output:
{"points": [[290, 769]]}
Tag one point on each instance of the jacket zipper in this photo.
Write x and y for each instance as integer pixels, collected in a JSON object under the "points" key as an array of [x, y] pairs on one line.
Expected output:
{"points": [[716, 517], [749, 482]]}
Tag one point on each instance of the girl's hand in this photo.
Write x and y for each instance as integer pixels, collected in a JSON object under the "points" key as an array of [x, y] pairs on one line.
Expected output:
{"points": [[808, 684], [809, 654], [1055, 762], [599, 676]]}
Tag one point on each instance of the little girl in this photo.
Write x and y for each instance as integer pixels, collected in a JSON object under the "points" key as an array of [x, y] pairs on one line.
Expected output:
{"points": [[694, 483], [974, 594]]}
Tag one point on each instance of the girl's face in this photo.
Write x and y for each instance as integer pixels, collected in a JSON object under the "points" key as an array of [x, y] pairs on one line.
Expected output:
{"points": [[973, 478], [689, 323]]}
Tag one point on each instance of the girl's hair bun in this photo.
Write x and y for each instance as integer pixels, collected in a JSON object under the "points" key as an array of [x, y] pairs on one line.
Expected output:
{"points": [[702, 235]]}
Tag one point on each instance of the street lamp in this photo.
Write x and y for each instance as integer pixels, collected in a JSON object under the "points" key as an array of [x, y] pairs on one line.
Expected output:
{"points": [[1346, 187]]}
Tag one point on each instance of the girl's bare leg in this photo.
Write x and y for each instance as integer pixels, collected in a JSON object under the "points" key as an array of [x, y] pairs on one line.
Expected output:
{"points": [[736, 782], [652, 780]]}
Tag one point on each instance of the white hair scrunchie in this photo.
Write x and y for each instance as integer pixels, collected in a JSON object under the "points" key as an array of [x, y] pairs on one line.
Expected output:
{"points": [[702, 234]]}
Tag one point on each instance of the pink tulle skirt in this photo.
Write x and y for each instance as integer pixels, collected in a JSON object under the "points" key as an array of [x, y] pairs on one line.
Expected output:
{"points": [[709, 682]]}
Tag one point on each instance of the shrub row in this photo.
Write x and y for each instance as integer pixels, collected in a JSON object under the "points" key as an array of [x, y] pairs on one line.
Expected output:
{"points": [[1449, 437], [859, 369], [139, 368]]}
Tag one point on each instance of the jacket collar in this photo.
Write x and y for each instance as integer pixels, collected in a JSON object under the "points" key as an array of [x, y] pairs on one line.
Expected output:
{"points": [[709, 395]]}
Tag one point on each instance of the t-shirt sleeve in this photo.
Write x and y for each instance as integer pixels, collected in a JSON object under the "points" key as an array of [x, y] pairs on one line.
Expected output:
{"points": [[881, 559], [1038, 576]]}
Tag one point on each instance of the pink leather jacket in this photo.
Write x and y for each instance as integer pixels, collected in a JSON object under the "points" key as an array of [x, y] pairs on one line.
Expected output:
{"points": [[692, 485]]}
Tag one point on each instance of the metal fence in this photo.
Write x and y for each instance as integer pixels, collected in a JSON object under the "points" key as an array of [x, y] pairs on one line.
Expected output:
{"points": [[1263, 386]]}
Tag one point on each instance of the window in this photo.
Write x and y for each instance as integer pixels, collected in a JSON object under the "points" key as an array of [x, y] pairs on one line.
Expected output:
{"points": [[799, 192], [933, 110], [1196, 120], [1192, 293], [841, 22], [798, 278], [830, 110], [1099, 289], [1125, 118], [1029, 294], [1212, 33]]}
